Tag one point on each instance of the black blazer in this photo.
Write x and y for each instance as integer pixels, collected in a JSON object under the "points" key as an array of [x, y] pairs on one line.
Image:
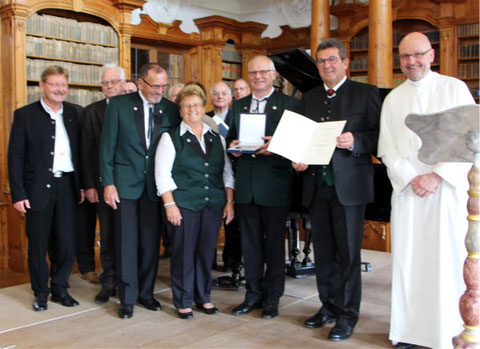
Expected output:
{"points": [[360, 105], [228, 118], [31, 149], [91, 132]]}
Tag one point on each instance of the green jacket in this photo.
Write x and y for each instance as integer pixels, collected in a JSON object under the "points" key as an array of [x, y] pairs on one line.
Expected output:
{"points": [[265, 180], [124, 159]]}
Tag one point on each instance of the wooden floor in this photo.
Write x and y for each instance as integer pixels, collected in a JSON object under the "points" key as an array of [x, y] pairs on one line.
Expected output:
{"points": [[94, 326]]}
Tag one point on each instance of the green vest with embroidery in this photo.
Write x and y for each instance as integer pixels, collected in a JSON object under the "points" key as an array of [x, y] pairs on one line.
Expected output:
{"points": [[199, 178]]}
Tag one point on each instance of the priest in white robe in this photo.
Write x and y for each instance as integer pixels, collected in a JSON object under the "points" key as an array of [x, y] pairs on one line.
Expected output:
{"points": [[428, 219]]}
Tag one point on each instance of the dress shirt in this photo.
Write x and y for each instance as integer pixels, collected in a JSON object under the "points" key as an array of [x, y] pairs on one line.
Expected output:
{"points": [[222, 115], [62, 157], [258, 104], [146, 113], [336, 87], [166, 157]]}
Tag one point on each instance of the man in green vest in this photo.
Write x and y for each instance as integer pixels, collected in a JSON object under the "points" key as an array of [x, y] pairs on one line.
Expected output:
{"points": [[263, 186]]}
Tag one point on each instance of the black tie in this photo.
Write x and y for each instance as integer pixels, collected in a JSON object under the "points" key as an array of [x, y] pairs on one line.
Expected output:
{"points": [[150, 123]]}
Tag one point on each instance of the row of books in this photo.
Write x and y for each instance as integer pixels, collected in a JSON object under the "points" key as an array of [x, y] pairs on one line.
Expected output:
{"points": [[71, 29], [433, 36], [359, 43], [468, 50], [172, 63], [78, 73], [229, 53], [359, 64], [75, 95], [468, 70], [231, 70], [468, 29], [361, 78], [70, 50]]}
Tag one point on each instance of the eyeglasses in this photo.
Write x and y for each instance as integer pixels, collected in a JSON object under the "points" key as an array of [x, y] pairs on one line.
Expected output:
{"points": [[110, 82], [193, 106], [261, 72], [57, 85], [224, 93], [416, 55], [331, 60], [155, 87]]}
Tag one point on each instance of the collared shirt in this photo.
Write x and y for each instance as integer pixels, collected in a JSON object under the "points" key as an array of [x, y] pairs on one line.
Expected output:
{"points": [[146, 113], [336, 87], [62, 157], [165, 157], [222, 115], [258, 104]]}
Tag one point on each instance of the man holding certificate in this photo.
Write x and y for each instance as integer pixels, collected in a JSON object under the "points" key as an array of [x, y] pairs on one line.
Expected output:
{"points": [[336, 194], [263, 189]]}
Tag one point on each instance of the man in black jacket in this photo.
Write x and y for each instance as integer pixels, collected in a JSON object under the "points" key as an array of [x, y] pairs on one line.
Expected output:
{"points": [[44, 175], [336, 194], [112, 79]]}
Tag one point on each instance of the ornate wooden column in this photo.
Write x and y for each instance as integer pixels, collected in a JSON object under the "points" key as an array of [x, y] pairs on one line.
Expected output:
{"points": [[380, 43], [320, 27], [12, 239]]}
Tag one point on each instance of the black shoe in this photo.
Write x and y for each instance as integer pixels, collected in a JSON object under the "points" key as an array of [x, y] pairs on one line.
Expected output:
{"points": [[246, 307], [185, 316], [318, 320], [40, 304], [401, 345], [208, 311], [125, 311], [340, 332], [269, 311], [104, 295], [150, 304], [65, 299]]}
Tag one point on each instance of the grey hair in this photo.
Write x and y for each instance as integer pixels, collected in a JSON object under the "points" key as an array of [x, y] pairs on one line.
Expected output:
{"points": [[181, 85], [333, 42], [221, 83], [108, 66]]}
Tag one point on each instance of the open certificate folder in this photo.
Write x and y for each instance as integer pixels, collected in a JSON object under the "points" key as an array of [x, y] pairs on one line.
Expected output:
{"points": [[300, 139], [251, 130]]}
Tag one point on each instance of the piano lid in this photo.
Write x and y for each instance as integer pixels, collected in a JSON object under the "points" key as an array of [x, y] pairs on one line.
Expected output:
{"points": [[298, 68]]}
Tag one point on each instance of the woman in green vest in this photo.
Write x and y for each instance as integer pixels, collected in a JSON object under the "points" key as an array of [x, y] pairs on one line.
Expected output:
{"points": [[195, 180]]}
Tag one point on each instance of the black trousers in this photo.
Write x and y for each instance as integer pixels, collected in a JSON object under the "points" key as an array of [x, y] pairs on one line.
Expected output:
{"points": [[232, 250], [263, 242], [85, 243], [53, 230], [137, 245], [107, 244], [337, 233], [193, 250]]}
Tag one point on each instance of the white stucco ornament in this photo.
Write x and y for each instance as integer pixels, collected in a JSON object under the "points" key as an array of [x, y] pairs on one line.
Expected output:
{"points": [[164, 11]]}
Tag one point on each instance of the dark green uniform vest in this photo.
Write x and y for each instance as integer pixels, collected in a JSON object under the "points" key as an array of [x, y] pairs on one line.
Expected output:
{"points": [[198, 176]]}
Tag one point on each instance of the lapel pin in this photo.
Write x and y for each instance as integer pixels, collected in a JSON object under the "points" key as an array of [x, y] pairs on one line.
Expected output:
{"points": [[188, 140], [161, 111], [274, 107], [211, 140], [135, 108], [245, 108]]}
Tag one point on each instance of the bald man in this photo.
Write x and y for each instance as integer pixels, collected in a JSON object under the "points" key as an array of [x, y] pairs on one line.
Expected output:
{"points": [[263, 194], [240, 89], [428, 206]]}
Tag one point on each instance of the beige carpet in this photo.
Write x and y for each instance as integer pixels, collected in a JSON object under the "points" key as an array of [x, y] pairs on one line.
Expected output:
{"points": [[94, 326]]}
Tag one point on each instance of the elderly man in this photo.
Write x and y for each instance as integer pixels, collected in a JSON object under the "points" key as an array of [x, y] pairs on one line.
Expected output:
{"points": [[428, 206], [336, 194], [221, 97], [173, 91], [44, 175], [262, 194], [131, 130], [112, 80], [129, 86], [240, 89]]}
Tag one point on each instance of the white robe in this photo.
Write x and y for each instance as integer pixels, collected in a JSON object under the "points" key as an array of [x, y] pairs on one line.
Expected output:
{"points": [[428, 233]]}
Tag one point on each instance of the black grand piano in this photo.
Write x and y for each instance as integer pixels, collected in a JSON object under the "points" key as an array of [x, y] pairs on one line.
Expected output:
{"points": [[299, 68]]}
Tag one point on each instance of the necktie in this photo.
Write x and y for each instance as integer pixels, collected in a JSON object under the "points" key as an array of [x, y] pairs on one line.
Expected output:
{"points": [[150, 123], [256, 108], [330, 92]]}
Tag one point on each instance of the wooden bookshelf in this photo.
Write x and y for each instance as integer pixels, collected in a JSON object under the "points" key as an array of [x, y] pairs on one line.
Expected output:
{"points": [[468, 56]]}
